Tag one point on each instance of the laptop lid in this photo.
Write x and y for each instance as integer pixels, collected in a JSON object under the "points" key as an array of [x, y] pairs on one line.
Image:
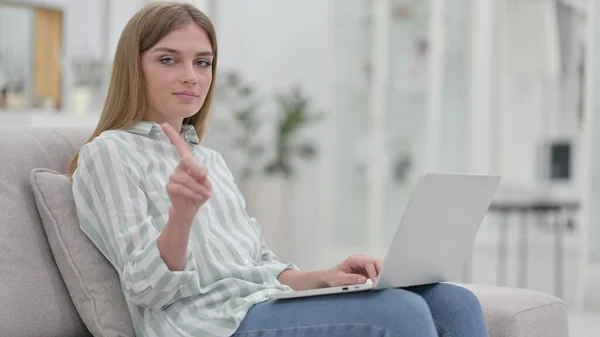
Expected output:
{"points": [[437, 229]]}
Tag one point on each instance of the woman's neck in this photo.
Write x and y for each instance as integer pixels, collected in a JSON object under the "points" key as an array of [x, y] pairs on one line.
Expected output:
{"points": [[176, 123]]}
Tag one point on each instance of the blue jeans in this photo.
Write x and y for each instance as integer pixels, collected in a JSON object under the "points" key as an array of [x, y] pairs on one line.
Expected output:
{"points": [[423, 311]]}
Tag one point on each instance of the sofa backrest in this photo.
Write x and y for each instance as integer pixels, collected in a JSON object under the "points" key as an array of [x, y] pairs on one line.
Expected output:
{"points": [[33, 298]]}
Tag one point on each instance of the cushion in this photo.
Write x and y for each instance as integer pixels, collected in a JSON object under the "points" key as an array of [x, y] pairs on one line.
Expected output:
{"points": [[34, 300], [513, 312], [91, 280]]}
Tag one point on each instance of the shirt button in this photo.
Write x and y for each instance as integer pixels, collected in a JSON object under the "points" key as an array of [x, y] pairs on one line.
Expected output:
{"points": [[246, 261], [265, 283]]}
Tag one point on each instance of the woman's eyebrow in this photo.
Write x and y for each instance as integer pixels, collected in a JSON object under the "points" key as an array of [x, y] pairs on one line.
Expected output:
{"points": [[175, 51]]}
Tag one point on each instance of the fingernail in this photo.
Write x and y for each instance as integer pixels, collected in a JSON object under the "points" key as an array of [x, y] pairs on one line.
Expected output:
{"points": [[362, 279]]}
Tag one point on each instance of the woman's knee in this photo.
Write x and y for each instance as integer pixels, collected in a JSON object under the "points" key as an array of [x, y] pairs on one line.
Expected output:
{"points": [[464, 295], [401, 302], [451, 295], [455, 309], [445, 297]]}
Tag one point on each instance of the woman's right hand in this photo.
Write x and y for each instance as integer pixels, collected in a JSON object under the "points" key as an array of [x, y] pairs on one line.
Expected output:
{"points": [[188, 187]]}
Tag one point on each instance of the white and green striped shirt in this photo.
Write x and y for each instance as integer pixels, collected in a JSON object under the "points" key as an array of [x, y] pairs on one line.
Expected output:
{"points": [[122, 205]]}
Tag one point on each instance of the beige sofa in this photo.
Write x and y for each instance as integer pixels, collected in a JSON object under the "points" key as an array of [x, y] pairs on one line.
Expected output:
{"points": [[37, 300]]}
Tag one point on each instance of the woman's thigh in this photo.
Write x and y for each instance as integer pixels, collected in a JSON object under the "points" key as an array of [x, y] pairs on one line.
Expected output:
{"points": [[456, 310], [391, 312]]}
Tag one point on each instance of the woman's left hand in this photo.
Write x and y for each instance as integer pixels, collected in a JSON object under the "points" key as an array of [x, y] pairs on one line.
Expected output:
{"points": [[356, 269]]}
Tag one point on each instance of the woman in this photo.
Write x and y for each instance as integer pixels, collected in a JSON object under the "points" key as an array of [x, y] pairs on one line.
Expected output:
{"points": [[166, 212]]}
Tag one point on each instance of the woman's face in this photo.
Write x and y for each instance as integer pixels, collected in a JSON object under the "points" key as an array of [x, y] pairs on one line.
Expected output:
{"points": [[177, 73]]}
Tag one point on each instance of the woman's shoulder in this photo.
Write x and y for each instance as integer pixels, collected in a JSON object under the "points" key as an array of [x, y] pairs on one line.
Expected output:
{"points": [[205, 150], [213, 159], [109, 149], [112, 144], [115, 140], [213, 155]]}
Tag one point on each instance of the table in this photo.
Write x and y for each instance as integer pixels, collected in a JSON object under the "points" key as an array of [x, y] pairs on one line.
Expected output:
{"points": [[559, 213]]}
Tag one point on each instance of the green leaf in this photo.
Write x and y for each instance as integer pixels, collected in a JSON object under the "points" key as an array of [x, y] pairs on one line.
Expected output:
{"points": [[232, 79], [246, 91], [256, 150], [278, 167], [306, 150]]}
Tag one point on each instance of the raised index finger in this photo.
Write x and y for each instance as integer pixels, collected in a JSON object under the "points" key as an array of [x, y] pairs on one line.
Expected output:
{"points": [[176, 140]]}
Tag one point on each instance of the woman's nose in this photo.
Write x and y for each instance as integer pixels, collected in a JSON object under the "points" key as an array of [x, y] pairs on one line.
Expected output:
{"points": [[189, 75]]}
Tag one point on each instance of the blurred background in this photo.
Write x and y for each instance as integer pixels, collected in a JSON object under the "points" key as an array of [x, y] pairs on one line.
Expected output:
{"points": [[329, 111]]}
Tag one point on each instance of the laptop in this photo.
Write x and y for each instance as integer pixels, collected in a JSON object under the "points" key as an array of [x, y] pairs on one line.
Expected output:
{"points": [[434, 237]]}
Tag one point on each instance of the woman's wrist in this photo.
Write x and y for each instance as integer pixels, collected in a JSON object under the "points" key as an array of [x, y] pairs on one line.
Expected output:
{"points": [[173, 241], [179, 219], [303, 279], [322, 278]]}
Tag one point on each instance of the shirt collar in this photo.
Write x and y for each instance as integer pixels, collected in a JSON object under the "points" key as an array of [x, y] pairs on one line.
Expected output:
{"points": [[188, 132]]}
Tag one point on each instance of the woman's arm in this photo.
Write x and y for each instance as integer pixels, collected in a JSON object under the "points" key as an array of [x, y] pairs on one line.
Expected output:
{"points": [[173, 240], [356, 269], [188, 188], [112, 210], [302, 279]]}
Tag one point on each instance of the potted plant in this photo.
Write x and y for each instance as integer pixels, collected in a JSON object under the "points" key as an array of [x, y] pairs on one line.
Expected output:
{"points": [[238, 118], [268, 191], [264, 150], [294, 116]]}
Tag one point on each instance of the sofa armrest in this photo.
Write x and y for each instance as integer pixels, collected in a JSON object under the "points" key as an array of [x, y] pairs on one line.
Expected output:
{"points": [[512, 312]]}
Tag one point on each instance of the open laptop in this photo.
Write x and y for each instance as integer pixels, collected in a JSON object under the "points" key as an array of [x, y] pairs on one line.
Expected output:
{"points": [[434, 237]]}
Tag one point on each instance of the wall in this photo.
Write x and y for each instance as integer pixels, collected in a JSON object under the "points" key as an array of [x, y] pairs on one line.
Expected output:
{"points": [[591, 158], [274, 43], [481, 123], [119, 13], [84, 36]]}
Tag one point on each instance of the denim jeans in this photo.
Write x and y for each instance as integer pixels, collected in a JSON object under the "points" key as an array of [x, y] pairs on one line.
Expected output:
{"points": [[423, 311]]}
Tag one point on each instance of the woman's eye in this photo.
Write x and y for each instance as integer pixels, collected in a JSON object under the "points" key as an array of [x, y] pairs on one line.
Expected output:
{"points": [[203, 64], [167, 60]]}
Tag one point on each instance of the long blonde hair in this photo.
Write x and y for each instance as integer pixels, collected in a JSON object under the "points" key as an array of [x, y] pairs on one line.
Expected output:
{"points": [[126, 98]]}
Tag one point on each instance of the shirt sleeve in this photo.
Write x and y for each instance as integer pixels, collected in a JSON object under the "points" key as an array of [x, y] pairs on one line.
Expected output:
{"points": [[112, 210]]}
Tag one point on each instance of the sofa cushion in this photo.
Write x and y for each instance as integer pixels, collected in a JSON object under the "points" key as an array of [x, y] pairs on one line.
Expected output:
{"points": [[33, 298], [511, 312], [92, 281]]}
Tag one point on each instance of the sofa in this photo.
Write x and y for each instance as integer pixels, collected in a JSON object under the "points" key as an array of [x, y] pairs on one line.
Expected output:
{"points": [[50, 286]]}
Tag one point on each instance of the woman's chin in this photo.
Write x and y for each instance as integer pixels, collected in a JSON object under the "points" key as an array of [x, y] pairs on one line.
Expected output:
{"points": [[187, 113]]}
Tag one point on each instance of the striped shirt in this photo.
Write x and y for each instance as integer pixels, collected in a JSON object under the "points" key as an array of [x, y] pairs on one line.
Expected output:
{"points": [[122, 206]]}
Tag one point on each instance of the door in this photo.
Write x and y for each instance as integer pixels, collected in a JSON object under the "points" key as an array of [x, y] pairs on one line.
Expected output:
{"points": [[48, 47]]}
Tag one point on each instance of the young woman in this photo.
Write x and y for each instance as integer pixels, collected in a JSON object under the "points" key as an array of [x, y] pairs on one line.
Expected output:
{"points": [[167, 214]]}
